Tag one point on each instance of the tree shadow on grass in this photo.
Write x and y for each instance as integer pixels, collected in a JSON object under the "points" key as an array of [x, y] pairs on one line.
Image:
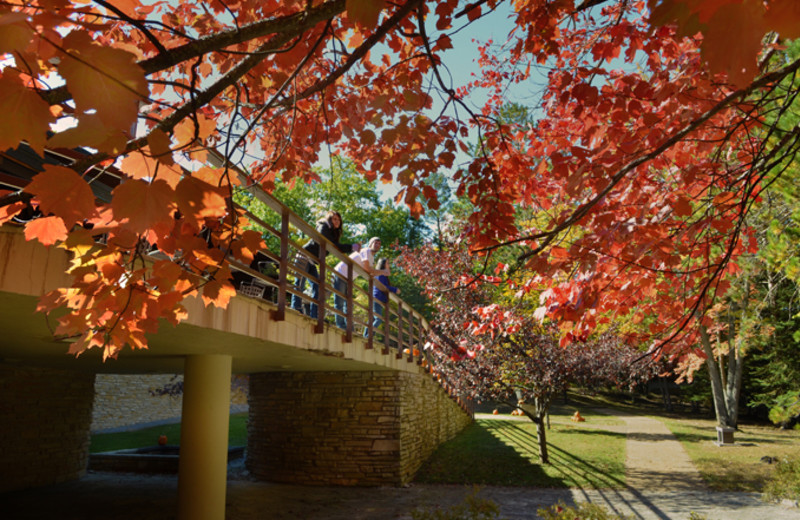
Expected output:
{"points": [[477, 456], [581, 474]]}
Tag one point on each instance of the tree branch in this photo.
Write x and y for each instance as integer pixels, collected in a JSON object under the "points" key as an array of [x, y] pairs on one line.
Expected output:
{"points": [[290, 26]]}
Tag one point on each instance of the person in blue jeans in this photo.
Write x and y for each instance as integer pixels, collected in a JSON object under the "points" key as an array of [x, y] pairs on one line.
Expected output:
{"points": [[366, 259], [330, 227], [380, 298]]}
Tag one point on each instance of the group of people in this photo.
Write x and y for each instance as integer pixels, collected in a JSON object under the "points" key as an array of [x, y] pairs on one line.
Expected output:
{"points": [[330, 227]]}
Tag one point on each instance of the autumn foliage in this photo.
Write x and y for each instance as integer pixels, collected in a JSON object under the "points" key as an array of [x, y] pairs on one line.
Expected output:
{"points": [[649, 150]]}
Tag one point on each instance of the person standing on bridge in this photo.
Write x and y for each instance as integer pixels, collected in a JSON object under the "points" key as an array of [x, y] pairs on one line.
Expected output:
{"points": [[366, 259], [330, 227], [380, 298]]}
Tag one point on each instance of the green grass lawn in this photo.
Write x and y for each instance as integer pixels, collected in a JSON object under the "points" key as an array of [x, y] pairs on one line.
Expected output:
{"points": [[724, 468], [738, 467], [506, 453], [237, 436]]}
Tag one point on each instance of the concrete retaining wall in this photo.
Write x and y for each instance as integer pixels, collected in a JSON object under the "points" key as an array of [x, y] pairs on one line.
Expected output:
{"points": [[44, 426], [346, 428]]}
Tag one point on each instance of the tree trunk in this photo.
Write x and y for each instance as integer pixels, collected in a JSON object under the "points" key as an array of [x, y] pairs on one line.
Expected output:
{"points": [[665, 394], [542, 405], [726, 395], [540, 433]]}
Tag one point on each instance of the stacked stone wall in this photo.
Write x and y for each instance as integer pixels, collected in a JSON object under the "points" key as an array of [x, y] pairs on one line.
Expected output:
{"points": [[44, 426], [430, 417], [346, 428], [126, 400]]}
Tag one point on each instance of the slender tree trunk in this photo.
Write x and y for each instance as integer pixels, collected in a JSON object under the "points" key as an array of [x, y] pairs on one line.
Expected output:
{"points": [[736, 359], [665, 394], [541, 407], [720, 407], [540, 433], [726, 385]]}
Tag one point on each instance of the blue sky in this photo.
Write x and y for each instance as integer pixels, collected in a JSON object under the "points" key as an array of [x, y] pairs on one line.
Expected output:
{"points": [[461, 62]]}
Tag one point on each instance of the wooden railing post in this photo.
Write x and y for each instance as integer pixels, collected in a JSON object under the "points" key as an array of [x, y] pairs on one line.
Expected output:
{"points": [[399, 330], [419, 339], [370, 311], [410, 335], [319, 328], [280, 312], [348, 333], [387, 326]]}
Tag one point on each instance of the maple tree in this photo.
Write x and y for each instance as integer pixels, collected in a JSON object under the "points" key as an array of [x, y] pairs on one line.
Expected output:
{"points": [[640, 178], [657, 164]]}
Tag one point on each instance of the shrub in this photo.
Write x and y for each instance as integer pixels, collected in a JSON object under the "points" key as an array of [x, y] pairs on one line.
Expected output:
{"points": [[473, 508], [582, 511], [785, 481]]}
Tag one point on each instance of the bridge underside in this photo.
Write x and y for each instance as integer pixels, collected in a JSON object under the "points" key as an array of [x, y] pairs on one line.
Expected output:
{"points": [[323, 410], [28, 340]]}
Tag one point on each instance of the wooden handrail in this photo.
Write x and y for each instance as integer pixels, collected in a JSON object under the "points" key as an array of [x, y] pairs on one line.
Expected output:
{"points": [[403, 329]]}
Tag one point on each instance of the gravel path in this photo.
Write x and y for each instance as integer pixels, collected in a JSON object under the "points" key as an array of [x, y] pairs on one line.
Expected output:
{"points": [[662, 484]]}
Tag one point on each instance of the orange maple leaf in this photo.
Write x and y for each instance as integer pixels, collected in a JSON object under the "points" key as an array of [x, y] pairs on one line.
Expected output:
{"points": [[8, 212], [365, 12], [92, 132], [783, 16], [218, 293], [47, 230], [732, 41], [159, 146], [246, 248], [104, 79], [165, 274], [63, 192], [138, 166], [186, 131], [145, 205], [16, 34], [27, 117], [197, 200]]}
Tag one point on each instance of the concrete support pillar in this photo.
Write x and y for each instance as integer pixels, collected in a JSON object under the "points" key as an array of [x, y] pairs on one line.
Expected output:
{"points": [[203, 465]]}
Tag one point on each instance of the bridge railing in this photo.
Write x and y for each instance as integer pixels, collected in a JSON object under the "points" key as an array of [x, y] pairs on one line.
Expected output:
{"points": [[274, 272]]}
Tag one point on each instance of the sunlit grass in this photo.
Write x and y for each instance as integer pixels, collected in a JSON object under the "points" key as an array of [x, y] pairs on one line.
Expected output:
{"points": [[738, 467], [237, 436], [505, 453]]}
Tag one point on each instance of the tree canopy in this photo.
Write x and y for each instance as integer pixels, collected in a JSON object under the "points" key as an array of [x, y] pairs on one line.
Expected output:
{"points": [[649, 147]]}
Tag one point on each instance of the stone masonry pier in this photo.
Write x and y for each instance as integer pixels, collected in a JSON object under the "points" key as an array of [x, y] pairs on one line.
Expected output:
{"points": [[346, 428]]}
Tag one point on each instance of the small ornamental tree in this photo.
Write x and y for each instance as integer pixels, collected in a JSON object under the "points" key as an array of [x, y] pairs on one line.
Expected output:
{"points": [[505, 353]]}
